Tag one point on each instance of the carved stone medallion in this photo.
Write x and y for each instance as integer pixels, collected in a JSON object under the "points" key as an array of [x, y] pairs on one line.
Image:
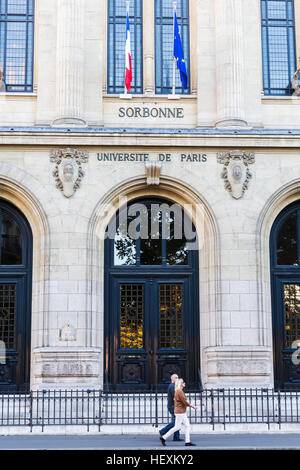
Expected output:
{"points": [[68, 171], [67, 333], [236, 172]]}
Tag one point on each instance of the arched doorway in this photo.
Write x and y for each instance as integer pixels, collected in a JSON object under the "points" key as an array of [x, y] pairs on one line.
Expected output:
{"points": [[151, 297], [285, 285], [15, 298]]}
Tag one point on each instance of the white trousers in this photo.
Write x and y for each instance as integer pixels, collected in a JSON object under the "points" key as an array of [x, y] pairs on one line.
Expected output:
{"points": [[180, 420]]}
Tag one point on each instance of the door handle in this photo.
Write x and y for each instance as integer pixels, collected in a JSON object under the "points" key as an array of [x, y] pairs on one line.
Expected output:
{"points": [[151, 352]]}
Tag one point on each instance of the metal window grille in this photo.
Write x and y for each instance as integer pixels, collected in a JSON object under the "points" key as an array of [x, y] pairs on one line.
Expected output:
{"points": [[116, 45], [292, 311], [164, 38], [16, 44], [8, 296], [171, 303], [131, 315], [278, 46]]}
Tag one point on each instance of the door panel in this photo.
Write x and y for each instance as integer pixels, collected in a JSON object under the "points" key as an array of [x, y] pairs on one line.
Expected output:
{"points": [[151, 330], [12, 326], [131, 354], [290, 332], [286, 332], [171, 353]]}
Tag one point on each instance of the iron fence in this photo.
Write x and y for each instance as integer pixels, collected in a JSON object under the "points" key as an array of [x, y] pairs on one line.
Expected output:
{"points": [[97, 408]]}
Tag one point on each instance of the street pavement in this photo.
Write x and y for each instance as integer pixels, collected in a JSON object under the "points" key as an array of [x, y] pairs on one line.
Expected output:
{"points": [[141, 442]]}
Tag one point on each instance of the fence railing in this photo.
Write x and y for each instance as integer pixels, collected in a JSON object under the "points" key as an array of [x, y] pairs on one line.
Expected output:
{"points": [[96, 408]]}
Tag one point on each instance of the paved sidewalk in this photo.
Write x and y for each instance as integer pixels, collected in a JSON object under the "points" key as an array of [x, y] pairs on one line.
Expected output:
{"points": [[140, 442]]}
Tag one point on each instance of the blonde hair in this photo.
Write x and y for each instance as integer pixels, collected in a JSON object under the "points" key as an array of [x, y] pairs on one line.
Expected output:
{"points": [[178, 384]]}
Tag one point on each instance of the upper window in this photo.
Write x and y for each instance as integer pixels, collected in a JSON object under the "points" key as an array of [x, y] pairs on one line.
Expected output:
{"points": [[16, 44], [116, 45], [278, 46], [11, 240], [151, 233], [286, 248], [14, 236], [164, 40]]}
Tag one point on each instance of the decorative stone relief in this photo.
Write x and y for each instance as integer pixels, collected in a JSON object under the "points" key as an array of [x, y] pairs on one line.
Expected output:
{"points": [[68, 171], [236, 172], [67, 333], [153, 170]]}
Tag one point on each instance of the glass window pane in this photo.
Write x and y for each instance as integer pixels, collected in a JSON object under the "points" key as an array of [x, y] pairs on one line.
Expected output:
{"points": [[292, 314], [164, 39], [124, 250], [150, 234], [278, 46], [287, 245], [131, 316], [7, 314], [16, 44], [116, 46], [11, 241], [151, 248], [171, 308], [176, 250], [151, 252]]}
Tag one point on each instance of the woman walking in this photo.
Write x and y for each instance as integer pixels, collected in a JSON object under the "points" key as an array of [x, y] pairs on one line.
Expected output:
{"points": [[181, 418]]}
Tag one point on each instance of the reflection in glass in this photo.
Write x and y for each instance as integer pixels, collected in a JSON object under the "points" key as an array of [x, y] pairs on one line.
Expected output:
{"points": [[176, 252], [292, 313], [11, 242], [287, 245], [278, 46], [164, 44], [151, 234], [16, 44], [171, 308], [131, 316], [151, 248], [116, 34], [124, 250]]}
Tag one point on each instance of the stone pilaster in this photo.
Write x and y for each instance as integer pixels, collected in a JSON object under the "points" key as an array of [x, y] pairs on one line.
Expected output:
{"points": [[70, 63], [230, 63], [148, 45]]}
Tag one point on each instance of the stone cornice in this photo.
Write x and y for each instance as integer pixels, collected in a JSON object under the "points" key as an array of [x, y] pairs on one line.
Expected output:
{"points": [[129, 137]]}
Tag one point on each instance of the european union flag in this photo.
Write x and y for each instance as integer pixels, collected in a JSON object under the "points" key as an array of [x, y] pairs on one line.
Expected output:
{"points": [[178, 54]]}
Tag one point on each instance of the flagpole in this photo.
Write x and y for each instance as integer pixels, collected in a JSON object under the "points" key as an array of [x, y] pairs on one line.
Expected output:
{"points": [[174, 60], [127, 12]]}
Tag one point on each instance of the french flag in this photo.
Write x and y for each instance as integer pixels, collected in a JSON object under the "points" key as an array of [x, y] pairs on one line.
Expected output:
{"points": [[128, 70]]}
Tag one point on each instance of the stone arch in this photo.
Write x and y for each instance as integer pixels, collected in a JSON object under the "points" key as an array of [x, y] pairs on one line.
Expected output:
{"points": [[14, 191], [272, 208], [209, 264]]}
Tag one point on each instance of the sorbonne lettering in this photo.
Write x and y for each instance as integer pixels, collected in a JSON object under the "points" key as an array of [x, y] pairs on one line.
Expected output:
{"points": [[137, 112]]}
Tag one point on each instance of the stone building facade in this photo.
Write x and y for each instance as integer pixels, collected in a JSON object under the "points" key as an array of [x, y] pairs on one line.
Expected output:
{"points": [[70, 151]]}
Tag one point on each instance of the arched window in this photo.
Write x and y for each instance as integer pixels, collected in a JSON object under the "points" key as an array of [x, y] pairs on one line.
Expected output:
{"points": [[164, 39], [285, 273], [116, 45], [156, 241], [15, 297], [16, 44], [278, 46], [151, 296]]}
